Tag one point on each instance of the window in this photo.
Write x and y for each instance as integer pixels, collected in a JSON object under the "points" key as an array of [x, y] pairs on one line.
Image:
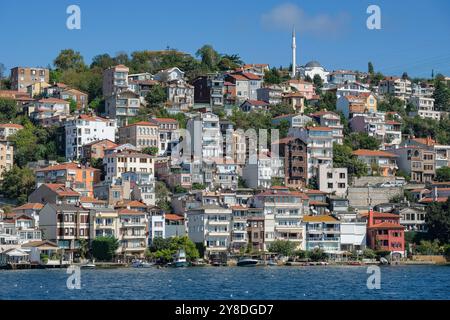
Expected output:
{"points": [[330, 185]]}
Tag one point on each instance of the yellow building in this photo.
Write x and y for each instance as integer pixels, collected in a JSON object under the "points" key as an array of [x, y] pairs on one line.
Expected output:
{"points": [[36, 89]]}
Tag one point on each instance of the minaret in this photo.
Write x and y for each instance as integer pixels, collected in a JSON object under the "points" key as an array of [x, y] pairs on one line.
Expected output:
{"points": [[294, 48]]}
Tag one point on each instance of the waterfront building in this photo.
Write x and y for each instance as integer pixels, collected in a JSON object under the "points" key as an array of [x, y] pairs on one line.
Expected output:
{"points": [[132, 233], [322, 232]]}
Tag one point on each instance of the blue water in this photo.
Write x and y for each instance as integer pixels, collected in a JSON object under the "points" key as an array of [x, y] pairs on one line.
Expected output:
{"points": [[320, 282]]}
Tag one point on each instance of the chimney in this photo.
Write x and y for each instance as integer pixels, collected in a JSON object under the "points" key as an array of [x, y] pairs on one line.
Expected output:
{"points": [[370, 218]]}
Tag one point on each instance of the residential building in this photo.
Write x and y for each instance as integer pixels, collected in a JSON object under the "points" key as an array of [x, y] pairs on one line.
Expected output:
{"points": [[294, 153], [54, 193], [322, 232], [126, 160], [132, 233], [302, 87], [142, 186], [272, 95], [378, 162], [398, 87], [333, 180], [332, 120], [254, 105], [422, 89], [180, 96], [31, 210], [376, 125], [174, 225], [209, 89], [42, 109], [255, 68], [115, 79], [417, 161], [283, 213], [424, 108], [64, 92], [351, 89], [96, 149], [341, 76], [142, 134], [210, 225], [6, 157], [8, 129], [169, 135], [259, 173], [122, 106], [104, 223], [384, 232], [246, 85], [295, 120], [296, 100], [255, 230], [85, 129], [205, 136], [362, 103], [66, 225], [168, 75], [22, 77], [412, 217], [80, 178], [319, 141]]}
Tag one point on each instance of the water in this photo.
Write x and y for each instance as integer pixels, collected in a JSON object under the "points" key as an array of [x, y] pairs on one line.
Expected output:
{"points": [[286, 283]]}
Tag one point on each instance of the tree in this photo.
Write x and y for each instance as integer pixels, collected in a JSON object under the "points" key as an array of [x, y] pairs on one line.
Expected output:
{"points": [[283, 247], [318, 84], [317, 255], [361, 140], [209, 57], [438, 221], [161, 195], [443, 174], [17, 184], [165, 249], [179, 189], [283, 128], [104, 248], [153, 151], [69, 59], [8, 109], [272, 76], [370, 69], [343, 158], [156, 96], [102, 61], [229, 62], [198, 186], [72, 105], [441, 95]]}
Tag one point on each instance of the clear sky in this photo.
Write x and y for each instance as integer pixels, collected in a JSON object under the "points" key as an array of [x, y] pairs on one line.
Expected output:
{"points": [[414, 35]]}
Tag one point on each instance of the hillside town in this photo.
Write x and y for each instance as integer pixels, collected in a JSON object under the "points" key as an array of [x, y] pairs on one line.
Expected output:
{"points": [[225, 158]]}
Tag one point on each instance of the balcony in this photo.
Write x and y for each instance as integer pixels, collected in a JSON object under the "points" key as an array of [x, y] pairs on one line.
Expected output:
{"points": [[133, 236], [219, 222], [218, 233]]}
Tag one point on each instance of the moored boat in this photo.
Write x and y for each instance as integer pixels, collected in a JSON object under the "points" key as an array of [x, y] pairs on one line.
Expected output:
{"points": [[247, 262]]}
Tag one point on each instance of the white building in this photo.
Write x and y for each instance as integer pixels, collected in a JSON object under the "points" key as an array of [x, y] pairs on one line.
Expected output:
{"points": [[353, 235], [119, 162], [424, 108], [333, 180], [398, 87], [85, 129], [351, 89], [211, 226], [205, 136]]}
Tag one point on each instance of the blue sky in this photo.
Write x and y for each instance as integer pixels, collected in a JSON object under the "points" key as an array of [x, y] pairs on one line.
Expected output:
{"points": [[415, 35]]}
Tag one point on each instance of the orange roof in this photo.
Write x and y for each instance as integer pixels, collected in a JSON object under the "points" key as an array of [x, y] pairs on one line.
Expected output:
{"points": [[136, 203], [129, 212], [66, 166], [164, 120], [29, 206], [171, 216], [373, 153], [91, 199], [11, 125], [319, 128], [141, 123], [430, 200], [426, 141], [386, 225], [91, 118], [377, 214], [53, 100], [61, 189], [321, 218]]}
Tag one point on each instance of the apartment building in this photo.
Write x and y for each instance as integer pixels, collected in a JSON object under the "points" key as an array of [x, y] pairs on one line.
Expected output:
{"points": [[417, 161], [332, 120], [295, 155], [81, 178], [398, 87], [245, 85], [356, 104], [6, 157], [424, 108], [85, 129], [119, 162], [283, 214], [96, 149], [304, 88], [210, 225], [205, 136], [209, 89], [8, 129], [104, 223], [132, 233], [22, 77], [142, 134], [333, 180], [271, 94], [378, 162], [376, 125], [180, 96], [322, 232], [66, 225], [351, 89], [169, 135], [46, 108]]}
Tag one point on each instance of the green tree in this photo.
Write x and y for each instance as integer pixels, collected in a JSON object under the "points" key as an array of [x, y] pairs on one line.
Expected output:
{"points": [[318, 84], [179, 189], [370, 69], [283, 247], [72, 105], [437, 220], [343, 158], [441, 95], [156, 96], [104, 248], [102, 61], [272, 76], [283, 128], [317, 255], [198, 186], [9, 110], [161, 195], [153, 151], [69, 59], [443, 174], [229, 62], [361, 140], [210, 58], [17, 184]]}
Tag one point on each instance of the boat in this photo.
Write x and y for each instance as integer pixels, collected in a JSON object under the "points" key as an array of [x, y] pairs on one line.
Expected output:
{"points": [[88, 265], [271, 263], [142, 264], [247, 262], [180, 260], [384, 261]]}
